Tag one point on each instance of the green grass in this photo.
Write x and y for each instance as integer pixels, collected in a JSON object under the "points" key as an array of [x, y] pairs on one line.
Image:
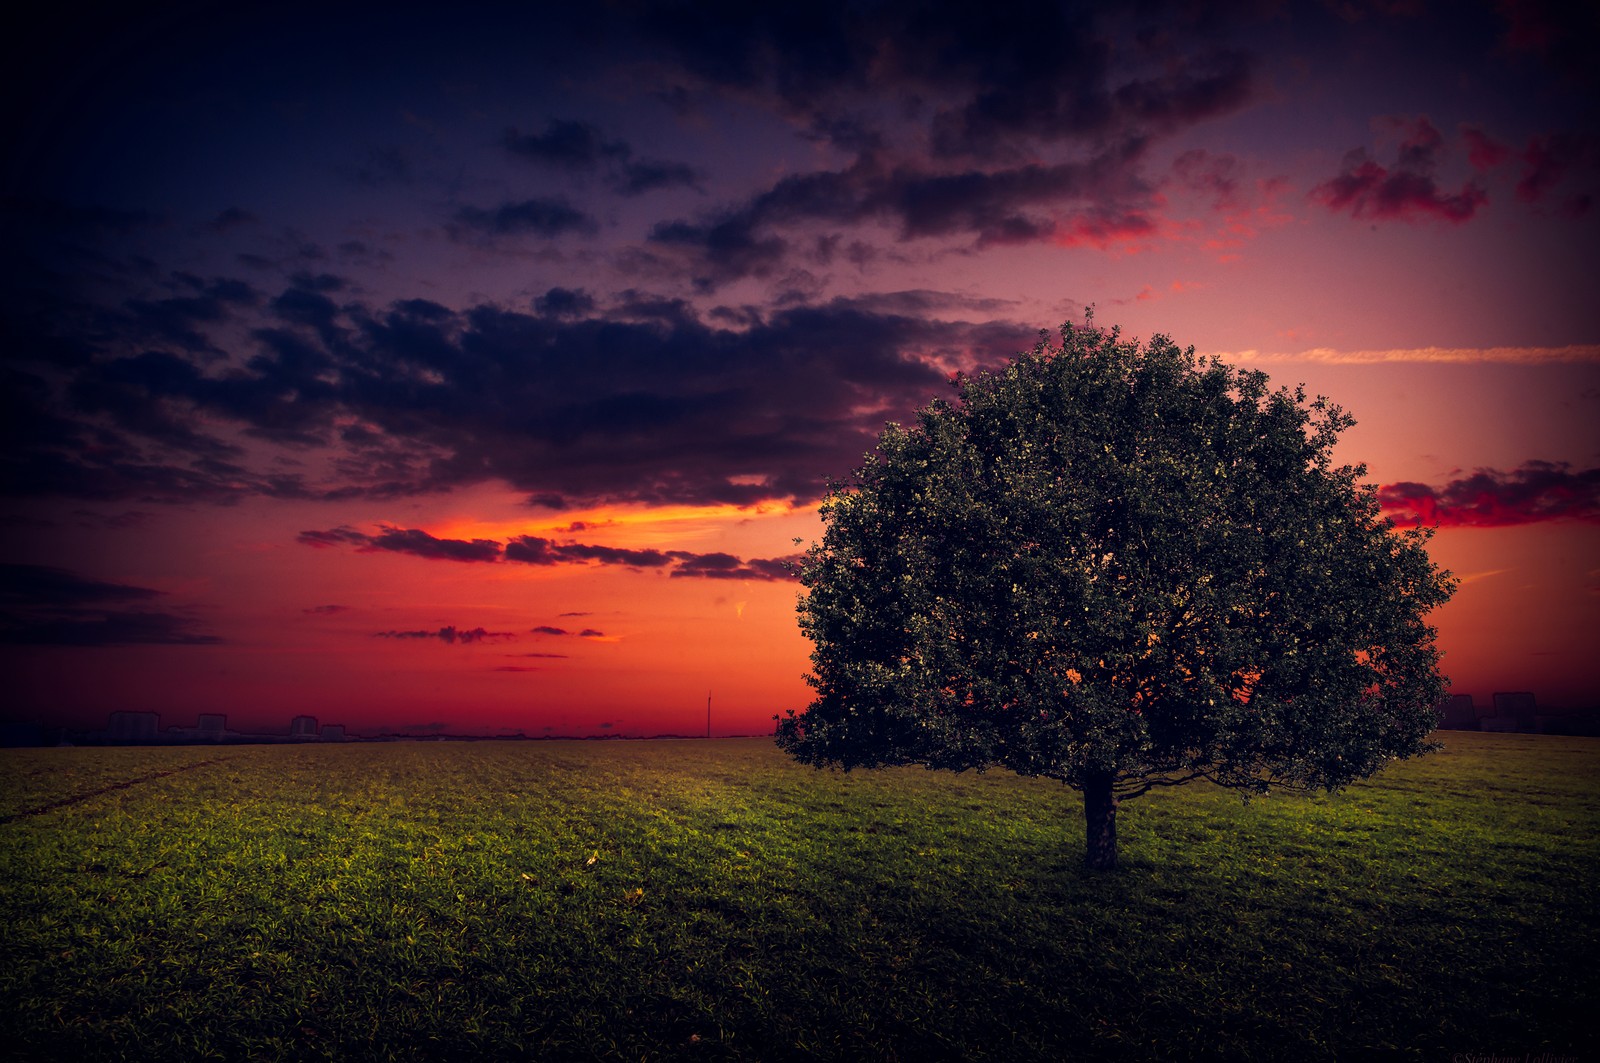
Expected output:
{"points": [[715, 901]]}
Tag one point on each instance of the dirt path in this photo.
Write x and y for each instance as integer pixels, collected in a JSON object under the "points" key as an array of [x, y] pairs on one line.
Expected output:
{"points": [[75, 798]]}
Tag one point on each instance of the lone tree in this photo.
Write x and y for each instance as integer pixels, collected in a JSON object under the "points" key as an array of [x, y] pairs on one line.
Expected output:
{"points": [[1121, 567]]}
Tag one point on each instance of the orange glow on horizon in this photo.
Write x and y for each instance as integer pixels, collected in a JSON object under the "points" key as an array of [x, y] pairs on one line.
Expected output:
{"points": [[633, 526]]}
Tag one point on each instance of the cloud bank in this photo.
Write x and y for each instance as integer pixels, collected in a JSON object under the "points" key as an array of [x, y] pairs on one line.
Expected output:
{"points": [[1539, 491], [449, 635], [41, 605], [534, 550]]}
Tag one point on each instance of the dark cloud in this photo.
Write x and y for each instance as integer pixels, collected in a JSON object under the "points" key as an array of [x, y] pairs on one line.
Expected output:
{"points": [[111, 628], [1014, 124], [405, 541], [305, 280], [339, 536], [550, 629], [1406, 191], [1483, 151], [421, 544], [181, 320], [548, 216], [1218, 178], [1490, 498], [45, 606], [924, 303], [726, 566], [449, 635], [943, 123], [993, 78], [115, 521], [1560, 35], [232, 218], [563, 302], [1050, 103], [174, 321], [723, 249], [574, 145], [643, 402], [1202, 86], [536, 551], [532, 550], [44, 585], [1100, 200], [326, 610], [1093, 201], [386, 165], [646, 175], [579, 146], [1561, 161], [680, 563]]}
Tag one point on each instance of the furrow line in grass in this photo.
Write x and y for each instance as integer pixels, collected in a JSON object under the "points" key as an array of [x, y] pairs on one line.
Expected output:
{"points": [[76, 798]]}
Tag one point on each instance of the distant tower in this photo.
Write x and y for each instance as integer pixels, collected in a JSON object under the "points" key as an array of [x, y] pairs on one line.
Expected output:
{"points": [[211, 726], [132, 726], [332, 732], [303, 727]]}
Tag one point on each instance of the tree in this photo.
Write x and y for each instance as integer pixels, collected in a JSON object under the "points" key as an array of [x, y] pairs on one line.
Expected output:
{"points": [[1121, 567]]}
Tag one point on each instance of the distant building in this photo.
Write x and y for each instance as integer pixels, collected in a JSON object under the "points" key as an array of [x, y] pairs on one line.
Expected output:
{"points": [[211, 727], [1459, 713], [303, 727], [1518, 708], [333, 732], [133, 726]]}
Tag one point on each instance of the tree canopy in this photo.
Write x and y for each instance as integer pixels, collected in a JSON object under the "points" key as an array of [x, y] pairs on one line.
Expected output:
{"points": [[1120, 566]]}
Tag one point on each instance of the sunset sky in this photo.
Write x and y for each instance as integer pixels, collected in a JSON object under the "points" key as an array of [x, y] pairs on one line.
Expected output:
{"points": [[468, 368]]}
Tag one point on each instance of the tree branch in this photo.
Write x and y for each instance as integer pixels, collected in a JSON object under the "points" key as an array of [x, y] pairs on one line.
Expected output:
{"points": [[1150, 784]]}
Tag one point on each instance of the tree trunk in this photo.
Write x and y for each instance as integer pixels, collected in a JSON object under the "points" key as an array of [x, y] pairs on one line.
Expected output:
{"points": [[1100, 822]]}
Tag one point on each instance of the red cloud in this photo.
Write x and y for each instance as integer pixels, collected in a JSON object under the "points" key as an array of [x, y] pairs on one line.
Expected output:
{"points": [[1406, 191], [1483, 152], [1103, 230], [1538, 491], [1547, 163]]}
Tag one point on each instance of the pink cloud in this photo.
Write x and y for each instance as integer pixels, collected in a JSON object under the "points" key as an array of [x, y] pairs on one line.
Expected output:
{"points": [[1483, 152], [1538, 491], [1405, 191]]}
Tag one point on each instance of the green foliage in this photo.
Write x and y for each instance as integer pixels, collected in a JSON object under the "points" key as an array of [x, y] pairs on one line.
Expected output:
{"points": [[1117, 562], [715, 900]]}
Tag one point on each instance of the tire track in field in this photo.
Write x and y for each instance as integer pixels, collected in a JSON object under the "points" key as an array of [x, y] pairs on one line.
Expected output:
{"points": [[77, 798]]}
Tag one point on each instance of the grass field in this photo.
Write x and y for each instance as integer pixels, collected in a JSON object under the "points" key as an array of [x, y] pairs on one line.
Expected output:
{"points": [[712, 900]]}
